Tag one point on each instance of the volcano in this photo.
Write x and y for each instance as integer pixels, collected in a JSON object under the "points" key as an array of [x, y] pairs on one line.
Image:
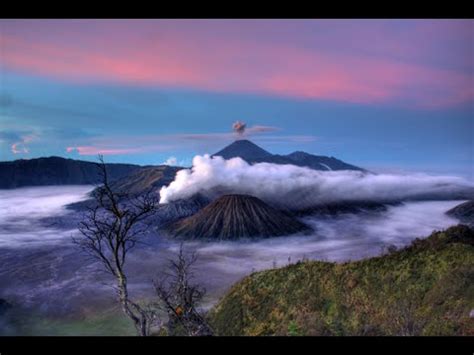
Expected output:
{"points": [[236, 216], [252, 153], [246, 150]]}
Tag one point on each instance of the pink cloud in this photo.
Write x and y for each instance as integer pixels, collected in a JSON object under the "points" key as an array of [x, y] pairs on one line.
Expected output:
{"points": [[210, 62], [18, 148], [21, 147], [118, 145]]}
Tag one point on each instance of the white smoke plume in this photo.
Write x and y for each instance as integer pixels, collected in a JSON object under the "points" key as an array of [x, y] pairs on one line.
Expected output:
{"points": [[298, 187]]}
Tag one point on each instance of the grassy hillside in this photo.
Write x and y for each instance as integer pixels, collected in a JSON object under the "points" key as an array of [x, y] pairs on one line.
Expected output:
{"points": [[424, 289]]}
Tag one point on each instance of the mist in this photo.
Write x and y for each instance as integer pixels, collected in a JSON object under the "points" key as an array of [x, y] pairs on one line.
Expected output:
{"points": [[342, 238], [45, 274], [22, 211], [299, 187]]}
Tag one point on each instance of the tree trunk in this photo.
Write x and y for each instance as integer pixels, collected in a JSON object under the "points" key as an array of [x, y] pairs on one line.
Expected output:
{"points": [[139, 321]]}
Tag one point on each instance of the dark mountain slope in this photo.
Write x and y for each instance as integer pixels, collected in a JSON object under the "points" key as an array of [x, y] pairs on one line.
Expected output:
{"points": [[464, 212], [56, 171], [319, 162], [176, 210], [236, 216], [244, 149], [146, 179], [252, 153]]}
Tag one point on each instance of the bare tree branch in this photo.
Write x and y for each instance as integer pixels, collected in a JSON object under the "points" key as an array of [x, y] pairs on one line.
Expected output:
{"points": [[109, 231], [180, 298]]}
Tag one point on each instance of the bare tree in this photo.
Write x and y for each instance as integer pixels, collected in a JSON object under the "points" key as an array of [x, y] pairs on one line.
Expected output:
{"points": [[109, 231], [180, 298]]}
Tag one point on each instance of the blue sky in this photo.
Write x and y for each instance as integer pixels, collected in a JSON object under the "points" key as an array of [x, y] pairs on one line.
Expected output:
{"points": [[395, 108]]}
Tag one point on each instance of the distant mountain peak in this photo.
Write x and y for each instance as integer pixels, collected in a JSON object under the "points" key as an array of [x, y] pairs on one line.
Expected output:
{"points": [[252, 153], [244, 149]]}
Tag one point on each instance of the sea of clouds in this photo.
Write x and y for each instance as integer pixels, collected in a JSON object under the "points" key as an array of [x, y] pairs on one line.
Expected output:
{"points": [[22, 211], [299, 187], [44, 270]]}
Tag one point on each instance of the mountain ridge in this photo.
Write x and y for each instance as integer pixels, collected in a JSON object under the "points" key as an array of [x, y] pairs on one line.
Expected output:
{"points": [[252, 153], [56, 170]]}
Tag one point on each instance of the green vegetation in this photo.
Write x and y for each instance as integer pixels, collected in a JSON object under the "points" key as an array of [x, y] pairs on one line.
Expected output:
{"points": [[426, 288]]}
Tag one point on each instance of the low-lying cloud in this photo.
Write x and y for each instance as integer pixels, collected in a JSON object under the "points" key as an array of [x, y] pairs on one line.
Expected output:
{"points": [[298, 187], [22, 211], [40, 274]]}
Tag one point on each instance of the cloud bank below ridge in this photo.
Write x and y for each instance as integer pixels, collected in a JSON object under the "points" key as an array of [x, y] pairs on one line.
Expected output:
{"points": [[299, 187]]}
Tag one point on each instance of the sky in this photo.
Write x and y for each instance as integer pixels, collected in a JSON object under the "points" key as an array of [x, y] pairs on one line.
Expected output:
{"points": [[387, 95]]}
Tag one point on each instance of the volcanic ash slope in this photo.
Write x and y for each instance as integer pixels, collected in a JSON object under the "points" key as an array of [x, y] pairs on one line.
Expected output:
{"points": [[235, 217]]}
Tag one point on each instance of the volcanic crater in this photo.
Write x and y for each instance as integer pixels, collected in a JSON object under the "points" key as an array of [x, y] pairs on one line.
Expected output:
{"points": [[237, 216]]}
